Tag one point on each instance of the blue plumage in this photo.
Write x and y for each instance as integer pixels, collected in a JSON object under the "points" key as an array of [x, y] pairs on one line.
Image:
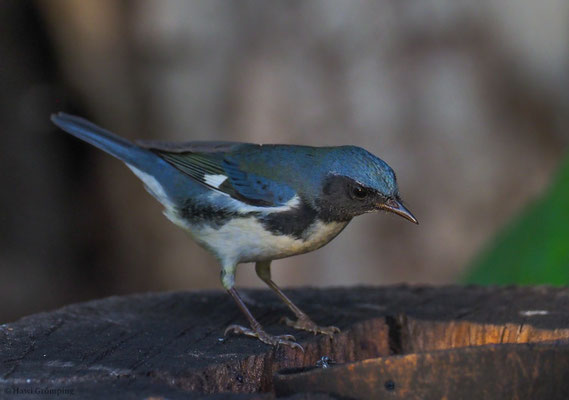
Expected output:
{"points": [[251, 203], [176, 185]]}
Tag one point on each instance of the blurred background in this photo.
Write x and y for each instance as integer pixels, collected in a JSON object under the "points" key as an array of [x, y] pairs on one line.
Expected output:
{"points": [[467, 100]]}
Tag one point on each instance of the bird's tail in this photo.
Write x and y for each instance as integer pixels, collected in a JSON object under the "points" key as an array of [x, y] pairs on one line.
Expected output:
{"points": [[162, 180], [101, 138]]}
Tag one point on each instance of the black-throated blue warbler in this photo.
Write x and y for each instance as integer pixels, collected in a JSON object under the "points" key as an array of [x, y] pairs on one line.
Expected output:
{"points": [[254, 203]]}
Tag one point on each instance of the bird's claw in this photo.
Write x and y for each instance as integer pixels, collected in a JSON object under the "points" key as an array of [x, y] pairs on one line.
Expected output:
{"points": [[306, 324], [273, 340]]}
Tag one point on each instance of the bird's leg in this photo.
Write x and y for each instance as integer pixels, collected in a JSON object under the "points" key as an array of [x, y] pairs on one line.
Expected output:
{"points": [[303, 322], [256, 329]]}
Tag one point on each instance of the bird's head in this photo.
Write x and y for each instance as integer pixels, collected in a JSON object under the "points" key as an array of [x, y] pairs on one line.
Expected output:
{"points": [[358, 182]]}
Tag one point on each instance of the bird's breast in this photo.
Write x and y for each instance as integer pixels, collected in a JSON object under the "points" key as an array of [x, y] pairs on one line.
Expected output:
{"points": [[237, 234], [246, 239]]}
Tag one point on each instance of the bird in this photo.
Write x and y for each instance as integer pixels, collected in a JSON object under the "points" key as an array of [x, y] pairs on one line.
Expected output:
{"points": [[247, 202]]}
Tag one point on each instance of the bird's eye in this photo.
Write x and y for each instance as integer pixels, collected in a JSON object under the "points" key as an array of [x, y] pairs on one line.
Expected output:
{"points": [[359, 193]]}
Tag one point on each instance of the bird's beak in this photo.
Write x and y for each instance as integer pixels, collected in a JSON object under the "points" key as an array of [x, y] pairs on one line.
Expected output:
{"points": [[396, 207]]}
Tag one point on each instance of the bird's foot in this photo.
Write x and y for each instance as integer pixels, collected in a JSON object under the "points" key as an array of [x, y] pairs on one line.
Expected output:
{"points": [[306, 324], [286, 340]]}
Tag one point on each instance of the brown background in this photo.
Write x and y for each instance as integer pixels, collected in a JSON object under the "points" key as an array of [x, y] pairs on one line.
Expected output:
{"points": [[466, 100]]}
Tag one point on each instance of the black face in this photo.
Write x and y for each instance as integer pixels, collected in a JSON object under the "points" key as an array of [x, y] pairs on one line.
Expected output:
{"points": [[343, 198]]}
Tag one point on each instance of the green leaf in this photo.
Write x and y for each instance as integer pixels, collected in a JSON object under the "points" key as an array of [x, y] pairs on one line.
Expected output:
{"points": [[534, 247]]}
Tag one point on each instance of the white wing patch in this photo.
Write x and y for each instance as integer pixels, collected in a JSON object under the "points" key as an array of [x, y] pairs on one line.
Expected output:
{"points": [[214, 180]]}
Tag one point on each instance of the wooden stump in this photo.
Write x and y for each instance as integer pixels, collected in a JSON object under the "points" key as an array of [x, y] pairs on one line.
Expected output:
{"points": [[169, 345]]}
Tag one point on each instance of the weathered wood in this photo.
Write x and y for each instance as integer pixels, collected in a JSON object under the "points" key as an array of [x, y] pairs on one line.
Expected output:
{"points": [[168, 344], [506, 371]]}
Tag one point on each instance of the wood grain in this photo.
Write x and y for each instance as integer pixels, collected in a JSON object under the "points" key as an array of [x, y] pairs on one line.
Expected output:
{"points": [[168, 344]]}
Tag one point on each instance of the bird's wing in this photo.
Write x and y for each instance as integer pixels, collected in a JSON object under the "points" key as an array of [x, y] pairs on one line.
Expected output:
{"points": [[212, 164], [194, 147]]}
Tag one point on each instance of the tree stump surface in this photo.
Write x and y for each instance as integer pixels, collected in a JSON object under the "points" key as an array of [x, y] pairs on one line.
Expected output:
{"points": [[170, 346]]}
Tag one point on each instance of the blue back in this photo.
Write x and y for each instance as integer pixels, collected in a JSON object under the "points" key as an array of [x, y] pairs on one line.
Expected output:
{"points": [[267, 175], [304, 168]]}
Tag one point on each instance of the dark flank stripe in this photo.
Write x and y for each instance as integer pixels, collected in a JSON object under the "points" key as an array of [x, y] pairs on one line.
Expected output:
{"points": [[293, 222], [200, 214]]}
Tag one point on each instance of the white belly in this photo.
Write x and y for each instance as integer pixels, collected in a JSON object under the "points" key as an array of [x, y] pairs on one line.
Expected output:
{"points": [[246, 240]]}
